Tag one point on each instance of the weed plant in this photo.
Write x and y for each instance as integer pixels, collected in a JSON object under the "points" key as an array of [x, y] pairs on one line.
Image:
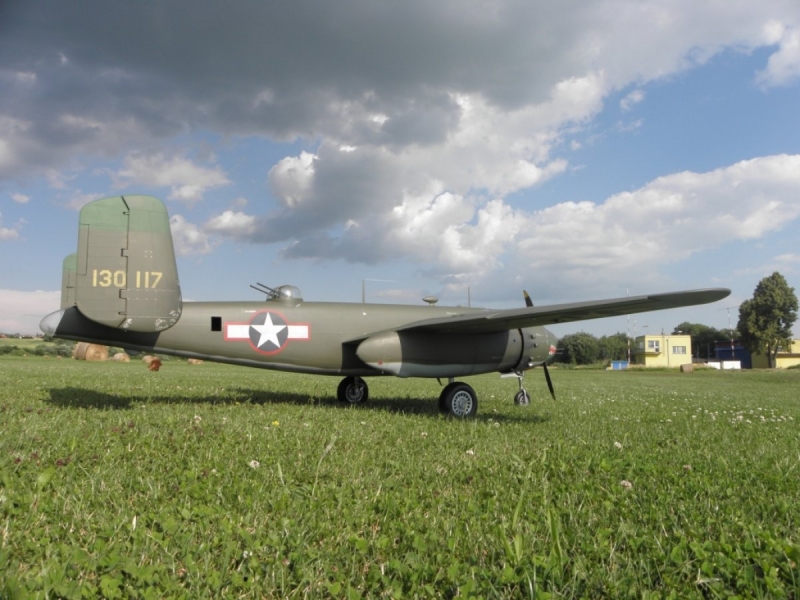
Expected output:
{"points": [[218, 481]]}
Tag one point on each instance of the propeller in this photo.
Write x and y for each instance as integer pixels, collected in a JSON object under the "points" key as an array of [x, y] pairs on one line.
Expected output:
{"points": [[528, 301], [549, 381]]}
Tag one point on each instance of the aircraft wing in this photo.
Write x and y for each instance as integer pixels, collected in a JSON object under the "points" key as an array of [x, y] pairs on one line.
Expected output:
{"points": [[502, 320]]}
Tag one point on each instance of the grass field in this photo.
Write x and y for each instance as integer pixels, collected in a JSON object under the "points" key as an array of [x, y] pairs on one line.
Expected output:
{"points": [[212, 481]]}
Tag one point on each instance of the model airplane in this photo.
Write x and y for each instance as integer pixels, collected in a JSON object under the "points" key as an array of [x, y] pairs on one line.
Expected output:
{"points": [[121, 289]]}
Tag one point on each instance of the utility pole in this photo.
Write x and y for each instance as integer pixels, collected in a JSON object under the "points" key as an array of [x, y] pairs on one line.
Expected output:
{"points": [[730, 329]]}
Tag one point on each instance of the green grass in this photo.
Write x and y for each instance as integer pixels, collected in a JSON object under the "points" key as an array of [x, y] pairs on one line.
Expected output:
{"points": [[211, 481]]}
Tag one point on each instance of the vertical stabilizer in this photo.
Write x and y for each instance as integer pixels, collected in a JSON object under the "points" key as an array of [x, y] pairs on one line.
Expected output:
{"points": [[68, 280], [125, 271]]}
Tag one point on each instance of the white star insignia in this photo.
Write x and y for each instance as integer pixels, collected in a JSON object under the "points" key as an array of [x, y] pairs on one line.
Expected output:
{"points": [[268, 331]]}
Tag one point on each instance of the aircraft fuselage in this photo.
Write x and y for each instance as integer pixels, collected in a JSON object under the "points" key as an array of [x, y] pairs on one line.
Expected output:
{"points": [[326, 338]]}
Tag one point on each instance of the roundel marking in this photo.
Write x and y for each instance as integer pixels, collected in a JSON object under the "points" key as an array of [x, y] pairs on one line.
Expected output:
{"points": [[268, 332]]}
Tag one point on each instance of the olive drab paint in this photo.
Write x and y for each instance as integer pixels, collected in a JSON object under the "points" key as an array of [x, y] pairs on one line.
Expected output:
{"points": [[121, 289], [125, 271]]}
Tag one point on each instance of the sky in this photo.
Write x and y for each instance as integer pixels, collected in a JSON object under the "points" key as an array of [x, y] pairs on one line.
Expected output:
{"points": [[462, 149]]}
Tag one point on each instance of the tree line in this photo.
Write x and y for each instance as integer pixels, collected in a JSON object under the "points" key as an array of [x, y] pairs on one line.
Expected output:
{"points": [[764, 326], [583, 348]]}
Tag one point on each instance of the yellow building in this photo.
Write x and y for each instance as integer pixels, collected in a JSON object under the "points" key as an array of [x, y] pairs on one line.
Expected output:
{"points": [[662, 350], [782, 360]]}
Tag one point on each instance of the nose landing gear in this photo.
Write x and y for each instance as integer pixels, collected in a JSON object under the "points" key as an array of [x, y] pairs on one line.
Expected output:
{"points": [[522, 397]]}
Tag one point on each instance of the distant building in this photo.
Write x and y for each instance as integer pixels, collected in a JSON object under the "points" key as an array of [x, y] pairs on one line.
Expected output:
{"points": [[730, 350], [671, 350], [783, 360]]}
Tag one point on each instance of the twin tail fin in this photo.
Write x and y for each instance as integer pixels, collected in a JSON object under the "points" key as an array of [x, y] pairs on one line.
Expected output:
{"points": [[124, 274]]}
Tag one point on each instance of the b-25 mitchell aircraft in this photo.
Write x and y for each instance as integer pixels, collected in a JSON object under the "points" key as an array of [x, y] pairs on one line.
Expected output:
{"points": [[121, 288]]}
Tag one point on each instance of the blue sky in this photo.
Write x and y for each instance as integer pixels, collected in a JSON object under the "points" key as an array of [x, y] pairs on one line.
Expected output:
{"points": [[579, 151]]}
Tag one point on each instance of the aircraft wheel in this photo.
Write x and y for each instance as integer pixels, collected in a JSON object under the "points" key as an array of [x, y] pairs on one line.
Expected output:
{"points": [[522, 398], [352, 390], [460, 400], [443, 397]]}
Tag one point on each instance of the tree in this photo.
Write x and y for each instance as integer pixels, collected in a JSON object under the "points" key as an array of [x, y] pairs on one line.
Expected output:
{"points": [[579, 348], [765, 321], [703, 337], [613, 347]]}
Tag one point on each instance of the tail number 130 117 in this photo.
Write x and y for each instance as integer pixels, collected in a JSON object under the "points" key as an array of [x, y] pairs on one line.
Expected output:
{"points": [[118, 278]]}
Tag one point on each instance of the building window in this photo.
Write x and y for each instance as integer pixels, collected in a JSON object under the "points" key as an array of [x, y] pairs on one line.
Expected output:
{"points": [[679, 349], [653, 345]]}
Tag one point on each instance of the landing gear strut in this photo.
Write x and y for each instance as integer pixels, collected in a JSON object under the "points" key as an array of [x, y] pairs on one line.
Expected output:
{"points": [[352, 390], [522, 397]]}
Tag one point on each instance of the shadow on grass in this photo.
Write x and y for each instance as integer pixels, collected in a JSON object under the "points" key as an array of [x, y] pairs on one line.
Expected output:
{"points": [[71, 397]]}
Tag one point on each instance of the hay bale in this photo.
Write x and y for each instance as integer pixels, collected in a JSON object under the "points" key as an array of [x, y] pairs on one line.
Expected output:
{"points": [[194, 361], [96, 352], [687, 368], [121, 357], [79, 350], [91, 352], [147, 359]]}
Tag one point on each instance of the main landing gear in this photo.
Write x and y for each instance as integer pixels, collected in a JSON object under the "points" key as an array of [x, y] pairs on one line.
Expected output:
{"points": [[458, 400], [353, 390]]}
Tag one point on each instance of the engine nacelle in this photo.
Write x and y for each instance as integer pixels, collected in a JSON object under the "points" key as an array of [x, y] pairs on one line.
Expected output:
{"points": [[415, 354], [538, 344]]}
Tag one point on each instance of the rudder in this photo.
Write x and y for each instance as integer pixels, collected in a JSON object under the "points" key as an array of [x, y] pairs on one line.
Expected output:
{"points": [[68, 280], [125, 271]]}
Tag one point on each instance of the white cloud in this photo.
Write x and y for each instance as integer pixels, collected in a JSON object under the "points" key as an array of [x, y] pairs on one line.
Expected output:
{"points": [[394, 86], [78, 199], [20, 198], [783, 66], [419, 132], [26, 77], [626, 239], [786, 264], [629, 101], [12, 131], [8, 233], [21, 311], [188, 238], [186, 180], [290, 180], [668, 220], [237, 225]]}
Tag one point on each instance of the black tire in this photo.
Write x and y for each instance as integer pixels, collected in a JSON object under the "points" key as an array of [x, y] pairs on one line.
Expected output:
{"points": [[522, 398], [352, 390], [461, 401], [443, 397]]}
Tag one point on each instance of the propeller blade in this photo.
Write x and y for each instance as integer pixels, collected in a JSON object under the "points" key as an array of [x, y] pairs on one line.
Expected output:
{"points": [[528, 301], [549, 381]]}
